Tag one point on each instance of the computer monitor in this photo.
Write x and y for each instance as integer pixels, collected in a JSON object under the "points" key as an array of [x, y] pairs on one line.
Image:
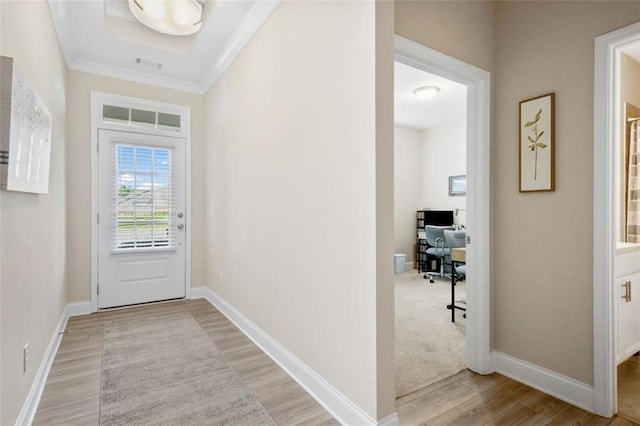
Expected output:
{"points": [[438, 217]]}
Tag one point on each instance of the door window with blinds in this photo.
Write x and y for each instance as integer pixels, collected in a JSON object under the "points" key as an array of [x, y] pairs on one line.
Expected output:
{"points": [[143, 197]]}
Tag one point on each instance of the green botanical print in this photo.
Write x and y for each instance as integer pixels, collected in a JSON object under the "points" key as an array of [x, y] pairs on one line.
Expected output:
{"points": [[534, 141]]}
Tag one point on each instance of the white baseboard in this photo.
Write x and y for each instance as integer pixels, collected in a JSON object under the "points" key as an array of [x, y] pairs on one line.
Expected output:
{"points": [[78, 308], [390, 420], [562, 387], [338, 405], [28, 411], [198, 293]]}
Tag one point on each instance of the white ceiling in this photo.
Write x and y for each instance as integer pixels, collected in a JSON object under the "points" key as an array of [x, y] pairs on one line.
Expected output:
{"points": [[103, 37], [447, 108]]}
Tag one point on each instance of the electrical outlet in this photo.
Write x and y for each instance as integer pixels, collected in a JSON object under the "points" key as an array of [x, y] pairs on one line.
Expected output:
{"points": [[25, 358]]}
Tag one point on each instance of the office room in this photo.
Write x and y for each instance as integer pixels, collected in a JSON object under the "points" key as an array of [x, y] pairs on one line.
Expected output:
{"points": [[430, 176]]}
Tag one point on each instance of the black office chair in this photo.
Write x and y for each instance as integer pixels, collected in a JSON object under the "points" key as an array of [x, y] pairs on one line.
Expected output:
{"points": [[438, 248], [456, 239]]}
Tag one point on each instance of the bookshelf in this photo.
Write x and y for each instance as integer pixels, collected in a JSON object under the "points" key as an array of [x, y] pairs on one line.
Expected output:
{"points": [[425, 262], [421, 242]]}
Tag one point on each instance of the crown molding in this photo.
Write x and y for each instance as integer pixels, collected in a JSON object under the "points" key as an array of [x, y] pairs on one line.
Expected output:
{"points": [[260, 12], [136, 76], [62, 26], [257, 16]]}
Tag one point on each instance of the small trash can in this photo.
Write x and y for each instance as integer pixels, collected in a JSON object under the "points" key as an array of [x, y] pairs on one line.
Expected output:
{"points": [[399, 260]]}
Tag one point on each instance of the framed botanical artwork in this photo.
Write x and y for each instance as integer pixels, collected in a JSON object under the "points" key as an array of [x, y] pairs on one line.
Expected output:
{"points": [[537, 144]]}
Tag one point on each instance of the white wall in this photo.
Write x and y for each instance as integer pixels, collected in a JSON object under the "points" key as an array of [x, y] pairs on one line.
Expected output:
{"points": [[408, 182], [79, 90], [292, 213], [32, 229], [444, 154], [424, 160]]}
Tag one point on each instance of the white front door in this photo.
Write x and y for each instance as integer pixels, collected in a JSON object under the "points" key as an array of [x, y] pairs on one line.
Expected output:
{"points": [[141, 228]]}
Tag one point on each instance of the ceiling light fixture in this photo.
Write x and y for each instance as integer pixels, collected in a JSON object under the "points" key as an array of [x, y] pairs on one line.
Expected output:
{"points": [[426, 93], [173, 17]]}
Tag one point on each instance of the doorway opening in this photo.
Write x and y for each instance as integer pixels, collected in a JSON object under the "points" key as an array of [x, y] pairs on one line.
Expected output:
{"points": [[616, 272], [476, 134], [616, 248], [430, 198], [140, 198]]}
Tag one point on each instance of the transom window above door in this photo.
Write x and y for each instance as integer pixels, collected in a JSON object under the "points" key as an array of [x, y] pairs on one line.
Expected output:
{"points": [[140, 118]]}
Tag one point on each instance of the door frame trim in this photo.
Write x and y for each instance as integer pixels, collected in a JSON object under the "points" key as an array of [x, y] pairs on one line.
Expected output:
{"points": [[605, 136], [478, 82], [98, 99]]}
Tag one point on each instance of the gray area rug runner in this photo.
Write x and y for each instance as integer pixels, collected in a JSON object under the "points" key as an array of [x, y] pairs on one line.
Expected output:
{"points": [[429, 347], [166, 370]]}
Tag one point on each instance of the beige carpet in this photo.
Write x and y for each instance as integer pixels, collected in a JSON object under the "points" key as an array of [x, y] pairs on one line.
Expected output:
{"points": [[166, 370], [429, 347]]}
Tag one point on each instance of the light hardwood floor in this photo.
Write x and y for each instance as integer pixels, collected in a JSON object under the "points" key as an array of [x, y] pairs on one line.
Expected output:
{"points": [[72, 391], [470, 399], [629, 389]]}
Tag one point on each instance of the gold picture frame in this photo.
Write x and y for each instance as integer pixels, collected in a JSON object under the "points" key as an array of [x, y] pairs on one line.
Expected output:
{"points": [[537, 144]]}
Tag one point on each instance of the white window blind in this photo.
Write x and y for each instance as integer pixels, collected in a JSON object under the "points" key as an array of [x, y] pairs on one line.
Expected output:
{"points": [[143, 181]]}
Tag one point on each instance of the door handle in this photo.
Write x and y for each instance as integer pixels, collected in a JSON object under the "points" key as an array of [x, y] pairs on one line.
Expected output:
{"points": [[627, 291], [180, 226]]}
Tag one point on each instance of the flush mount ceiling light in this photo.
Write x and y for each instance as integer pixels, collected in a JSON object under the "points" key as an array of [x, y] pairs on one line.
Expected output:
{"points": [[173, 17], [426, 93]]}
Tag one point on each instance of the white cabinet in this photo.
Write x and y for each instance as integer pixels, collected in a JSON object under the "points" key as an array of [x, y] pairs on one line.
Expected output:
{"points": [[627, 293], [628, 316]]}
